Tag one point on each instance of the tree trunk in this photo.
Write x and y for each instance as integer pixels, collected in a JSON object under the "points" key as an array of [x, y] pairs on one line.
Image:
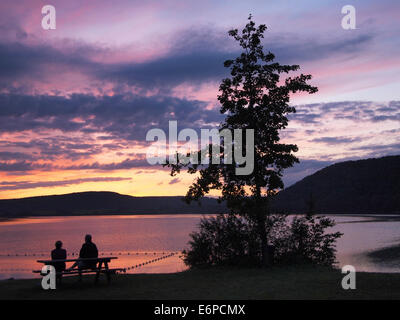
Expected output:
{"points": [[266, 254], [260, 212]]}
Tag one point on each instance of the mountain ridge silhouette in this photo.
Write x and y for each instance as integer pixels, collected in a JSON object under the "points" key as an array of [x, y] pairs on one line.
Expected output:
{"points": [[368, 186], [103, 203]]}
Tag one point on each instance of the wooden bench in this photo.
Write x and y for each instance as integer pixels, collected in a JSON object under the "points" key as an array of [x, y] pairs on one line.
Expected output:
{"points": [[101, 267]]}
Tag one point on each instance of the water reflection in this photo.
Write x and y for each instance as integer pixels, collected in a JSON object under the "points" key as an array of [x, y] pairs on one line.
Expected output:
{"points": [[141, 234]]}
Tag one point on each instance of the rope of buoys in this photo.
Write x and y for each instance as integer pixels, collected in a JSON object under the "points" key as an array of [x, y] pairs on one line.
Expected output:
{"points": [[150, 261], [14, 269], [136, 266], [39, 254]]}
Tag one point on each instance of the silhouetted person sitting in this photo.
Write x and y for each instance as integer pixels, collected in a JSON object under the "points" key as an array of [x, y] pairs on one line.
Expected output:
{"points": [[88, 250], [59, 254]]}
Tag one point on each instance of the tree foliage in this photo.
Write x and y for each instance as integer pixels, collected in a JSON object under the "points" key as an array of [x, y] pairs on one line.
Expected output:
{"points": [[254, 97]]}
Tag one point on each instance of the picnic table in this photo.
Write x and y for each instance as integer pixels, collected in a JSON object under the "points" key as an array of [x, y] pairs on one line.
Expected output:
{"points": [[101, 267]]}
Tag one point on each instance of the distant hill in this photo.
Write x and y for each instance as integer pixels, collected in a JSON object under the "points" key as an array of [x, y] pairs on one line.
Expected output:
{"points": [[369, 186], [92, 203]]}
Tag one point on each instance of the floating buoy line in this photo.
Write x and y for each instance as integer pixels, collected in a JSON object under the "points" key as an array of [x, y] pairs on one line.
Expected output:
{"points": [[128, 268], [149, 261], [77, 254]]}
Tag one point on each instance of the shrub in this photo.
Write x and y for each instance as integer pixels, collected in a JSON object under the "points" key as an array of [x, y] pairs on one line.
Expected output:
{"points": [[305, 240], [221, 240], [232, 240]]}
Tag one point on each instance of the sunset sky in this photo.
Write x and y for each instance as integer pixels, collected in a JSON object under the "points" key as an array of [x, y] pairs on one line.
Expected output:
{"points": [[76, 102]]}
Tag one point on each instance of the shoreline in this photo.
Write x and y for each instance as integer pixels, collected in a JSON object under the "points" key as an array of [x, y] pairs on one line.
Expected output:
{"points": [[377, 216]]}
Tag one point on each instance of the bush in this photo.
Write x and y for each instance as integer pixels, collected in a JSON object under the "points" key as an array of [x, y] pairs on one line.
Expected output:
{"points": [[305, 240], [232, 240], [221, 240]]}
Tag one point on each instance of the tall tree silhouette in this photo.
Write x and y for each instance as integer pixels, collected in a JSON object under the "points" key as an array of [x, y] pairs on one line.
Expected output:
{"points": [[253, 97]]}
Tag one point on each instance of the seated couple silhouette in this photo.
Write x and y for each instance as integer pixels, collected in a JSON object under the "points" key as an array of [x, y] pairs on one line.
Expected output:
{"points": [[88, 250]]}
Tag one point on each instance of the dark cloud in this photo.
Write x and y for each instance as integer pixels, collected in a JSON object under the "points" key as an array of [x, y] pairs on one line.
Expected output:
{"points": [[198, 57], [19, 60], [122, 165], [379, 118], [121, 116], [17, 166], [175, 180], [170, 71], [124, 118], [6, 155], [367, 111], [51, 148], [26, 166], [195, 56], [379, 148], [295, 49], [335, 140], [303, 116], [17, 185]]}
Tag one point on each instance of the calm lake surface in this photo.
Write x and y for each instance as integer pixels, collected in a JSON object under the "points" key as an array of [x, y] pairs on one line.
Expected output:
{"points": [[139, 238]]}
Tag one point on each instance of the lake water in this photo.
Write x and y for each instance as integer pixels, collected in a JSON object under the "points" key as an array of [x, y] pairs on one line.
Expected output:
{"points": [[139, 238]]}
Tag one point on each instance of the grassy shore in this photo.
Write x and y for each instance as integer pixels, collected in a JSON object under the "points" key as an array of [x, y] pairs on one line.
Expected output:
{"points": [[303, 282]]}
